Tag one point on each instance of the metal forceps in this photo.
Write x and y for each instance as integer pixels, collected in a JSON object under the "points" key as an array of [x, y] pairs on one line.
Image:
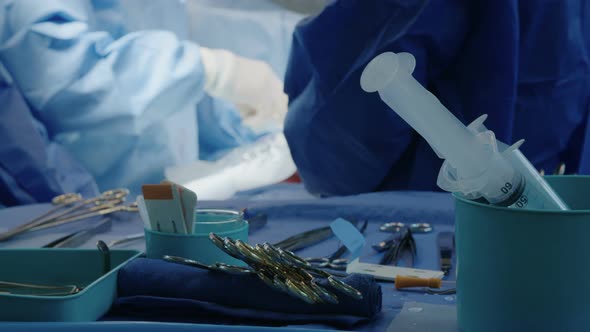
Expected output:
{"points": [[60, 202], [107, 198], [405, 242], [305, 239], [77, 238], [284, 271], [396, 228], [66, 200], [104, 210], [338, 264], [114, 196], [334, 261]]}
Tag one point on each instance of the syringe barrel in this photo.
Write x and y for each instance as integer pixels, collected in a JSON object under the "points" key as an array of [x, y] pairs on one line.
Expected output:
{"points": [[473, 165], [474, 158], [439, 127]]}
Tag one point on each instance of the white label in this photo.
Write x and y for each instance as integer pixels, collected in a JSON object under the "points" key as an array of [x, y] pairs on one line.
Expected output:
{"points": [[387, 272]]}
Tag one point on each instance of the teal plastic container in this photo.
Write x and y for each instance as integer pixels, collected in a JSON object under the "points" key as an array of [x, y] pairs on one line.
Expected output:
{"points": [[525, 270], [197, 246], [81, 267]]}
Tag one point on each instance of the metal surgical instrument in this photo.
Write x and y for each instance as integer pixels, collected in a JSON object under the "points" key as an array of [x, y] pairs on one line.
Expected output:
{"points": [[106, 209], [446, 247], [305, 239], [78, 238], [61, 202], [37, 289], [334, 261], [219, 267], [396, 227], [127, 239], [109, 196], [277, 268], [406, 242], [106, 256]]}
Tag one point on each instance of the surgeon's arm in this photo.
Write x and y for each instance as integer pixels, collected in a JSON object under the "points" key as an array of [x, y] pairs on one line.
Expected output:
{"points": [[343, 140]]}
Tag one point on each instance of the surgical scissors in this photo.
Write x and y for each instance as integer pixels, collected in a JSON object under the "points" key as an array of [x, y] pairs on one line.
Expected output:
{"points": [[114, 196], [396, 227], [305, 239], [334, 261], [282, 270], [101, 205], [338, 264], [405, 242], [110, 196], [220, 267], [106, 209], [61, 201], [77, 238]]}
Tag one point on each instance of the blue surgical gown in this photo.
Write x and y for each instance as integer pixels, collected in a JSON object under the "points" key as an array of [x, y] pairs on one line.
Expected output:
{"points": [[524, 63], [118, 99], [32, 167]]}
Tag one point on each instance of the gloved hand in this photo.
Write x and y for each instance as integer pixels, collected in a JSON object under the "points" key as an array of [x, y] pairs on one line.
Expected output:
{"points": [[250, 84]]}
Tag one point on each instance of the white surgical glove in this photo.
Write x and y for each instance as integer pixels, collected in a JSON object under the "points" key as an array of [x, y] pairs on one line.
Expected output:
{"points": [[250, 84]]}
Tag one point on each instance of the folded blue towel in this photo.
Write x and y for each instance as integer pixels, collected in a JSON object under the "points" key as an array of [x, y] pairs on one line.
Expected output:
{"points": [[158, 290]]}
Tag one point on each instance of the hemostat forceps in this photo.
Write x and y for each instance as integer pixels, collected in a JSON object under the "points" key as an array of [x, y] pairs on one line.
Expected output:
{"points": [[90, 207], [406, 242], [334, 261], [78, 238]]}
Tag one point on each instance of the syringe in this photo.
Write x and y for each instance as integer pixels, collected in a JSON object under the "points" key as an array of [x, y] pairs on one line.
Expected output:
{"points": [[474, 166]]}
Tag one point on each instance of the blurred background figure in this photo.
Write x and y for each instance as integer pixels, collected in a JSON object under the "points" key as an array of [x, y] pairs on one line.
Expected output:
{"points": [[108, 93]]}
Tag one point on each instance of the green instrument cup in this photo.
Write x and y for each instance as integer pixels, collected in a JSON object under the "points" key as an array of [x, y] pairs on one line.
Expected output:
{"points": [[197, 246], [525, 270]]}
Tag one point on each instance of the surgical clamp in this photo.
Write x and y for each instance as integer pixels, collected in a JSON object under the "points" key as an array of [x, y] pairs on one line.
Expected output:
{"points": [[65, 200], [305, 239], [78, 238], [108, 209], [334, 261], [279, 269], [396, 227], [406, 242]]}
